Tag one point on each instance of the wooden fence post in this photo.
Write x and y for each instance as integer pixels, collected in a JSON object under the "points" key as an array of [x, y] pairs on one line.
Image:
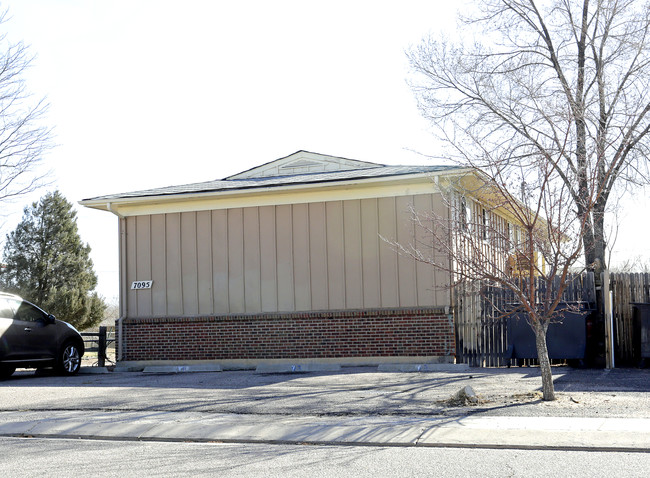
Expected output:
{"points": [[609, 321]]}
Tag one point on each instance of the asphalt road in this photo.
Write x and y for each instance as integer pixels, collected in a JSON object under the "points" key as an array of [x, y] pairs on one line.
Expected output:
{"points": [[358, 391], [49, 457]]}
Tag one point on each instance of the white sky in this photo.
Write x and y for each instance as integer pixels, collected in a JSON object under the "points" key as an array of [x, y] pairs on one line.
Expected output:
{"points": [[149, 93]]}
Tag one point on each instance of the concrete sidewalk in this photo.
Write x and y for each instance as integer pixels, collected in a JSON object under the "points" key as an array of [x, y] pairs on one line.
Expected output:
{"points": [[565, 433]]}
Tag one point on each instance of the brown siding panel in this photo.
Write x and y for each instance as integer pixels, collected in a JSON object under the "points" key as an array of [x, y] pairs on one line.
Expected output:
{"points": [[301, 265], [388, 271], [405, 265], [284, 231], [131, 265], [268, 258], [301, 257], [236, 287], [424, 272], [173, 260], [220, 261], [441, 278], [204, 253], [335, 256], [353, 269], [252, 265], [158, 265], [143, 263], [189, 263], [370, 253], [318, 256]]}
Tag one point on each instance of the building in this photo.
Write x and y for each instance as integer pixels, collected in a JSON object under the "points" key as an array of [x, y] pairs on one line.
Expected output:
{"points": [[283, 262]]}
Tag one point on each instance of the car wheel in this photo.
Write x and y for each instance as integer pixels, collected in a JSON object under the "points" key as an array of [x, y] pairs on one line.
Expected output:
{"points": [[6, 371], [69, 359]]}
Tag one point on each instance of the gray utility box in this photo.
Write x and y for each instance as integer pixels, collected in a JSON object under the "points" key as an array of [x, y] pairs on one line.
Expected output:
{"points": [[641, 326], [565, 339]]}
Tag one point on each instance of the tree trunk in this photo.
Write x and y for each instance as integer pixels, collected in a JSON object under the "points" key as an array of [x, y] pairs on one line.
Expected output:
{"points": [[548, 390], [600, 247]]}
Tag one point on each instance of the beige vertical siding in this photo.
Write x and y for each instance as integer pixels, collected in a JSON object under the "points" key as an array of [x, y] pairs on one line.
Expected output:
{"points": [[220, 281], [159, 264], [131, 265], [284, 228], [406, 268], [441, 279], [301, 266], [318, 256], [204, 261], [388, 271], [189, 264], [352, 254], [143, 262], [252, 264], [268, 259], [236, 286], [174, 283], [370, 246], [335, 257], [425, 286]]}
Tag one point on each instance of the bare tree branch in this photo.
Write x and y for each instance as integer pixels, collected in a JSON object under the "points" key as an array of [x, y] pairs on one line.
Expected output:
{"points": [[24, 137], [565, 82]]}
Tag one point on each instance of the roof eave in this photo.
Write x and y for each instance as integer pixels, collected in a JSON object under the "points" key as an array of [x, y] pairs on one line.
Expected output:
{"points": [[112, 203]]}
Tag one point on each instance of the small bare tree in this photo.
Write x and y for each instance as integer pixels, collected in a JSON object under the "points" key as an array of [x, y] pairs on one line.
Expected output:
{"points": [[23, 136], [525, 243]]}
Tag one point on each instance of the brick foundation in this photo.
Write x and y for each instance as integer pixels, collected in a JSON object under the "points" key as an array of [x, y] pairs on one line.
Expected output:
{"points": [[344, 334]]}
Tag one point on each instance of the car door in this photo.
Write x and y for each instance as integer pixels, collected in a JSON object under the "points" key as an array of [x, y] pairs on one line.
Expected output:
{"points": [[33, 332], [9, 335]]}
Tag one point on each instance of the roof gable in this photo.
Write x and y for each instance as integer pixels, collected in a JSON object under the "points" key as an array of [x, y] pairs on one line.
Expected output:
{"points": [[303, 162]]}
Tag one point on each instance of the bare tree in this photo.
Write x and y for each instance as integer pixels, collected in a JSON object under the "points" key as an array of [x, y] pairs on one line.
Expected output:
{"points": [[523, 243], [561, 82], [23, 136]]}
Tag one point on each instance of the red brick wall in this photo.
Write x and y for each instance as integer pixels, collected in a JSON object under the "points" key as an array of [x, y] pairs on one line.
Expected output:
{"points": [[367, 333]]}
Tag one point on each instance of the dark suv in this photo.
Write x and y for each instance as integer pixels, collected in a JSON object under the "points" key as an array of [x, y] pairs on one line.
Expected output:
{"points": [[32, 338]]}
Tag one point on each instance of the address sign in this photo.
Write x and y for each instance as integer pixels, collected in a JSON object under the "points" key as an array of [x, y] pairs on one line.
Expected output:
{"points": [[141, 284]]}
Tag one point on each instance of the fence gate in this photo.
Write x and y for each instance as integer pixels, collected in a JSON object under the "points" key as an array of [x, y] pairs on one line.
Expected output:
{"points": [[626, 289], [481, 333]]}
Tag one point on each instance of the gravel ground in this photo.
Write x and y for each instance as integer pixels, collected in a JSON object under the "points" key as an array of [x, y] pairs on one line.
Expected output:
{"points": [[354, 391]]}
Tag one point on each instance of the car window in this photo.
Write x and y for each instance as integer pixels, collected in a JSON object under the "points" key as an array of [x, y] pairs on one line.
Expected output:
{"points": [[8, 307], [29, 313]]}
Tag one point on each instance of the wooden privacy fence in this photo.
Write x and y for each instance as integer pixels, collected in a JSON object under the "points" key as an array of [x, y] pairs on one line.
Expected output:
{"points": [[482, 328], [481, 336], [626, 289]]}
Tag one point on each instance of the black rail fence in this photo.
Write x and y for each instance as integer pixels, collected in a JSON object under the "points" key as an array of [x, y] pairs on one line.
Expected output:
{"points": [[99, 342]]}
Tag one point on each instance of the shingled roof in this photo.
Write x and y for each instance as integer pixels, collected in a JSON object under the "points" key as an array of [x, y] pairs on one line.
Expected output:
{"points": [[285, 172]]}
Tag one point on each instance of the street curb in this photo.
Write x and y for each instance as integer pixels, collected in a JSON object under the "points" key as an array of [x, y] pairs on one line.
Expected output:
{"points": [[182, 368], [423, 367], [518, 433], [297, 368], [93, 370], [307, 442]]}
